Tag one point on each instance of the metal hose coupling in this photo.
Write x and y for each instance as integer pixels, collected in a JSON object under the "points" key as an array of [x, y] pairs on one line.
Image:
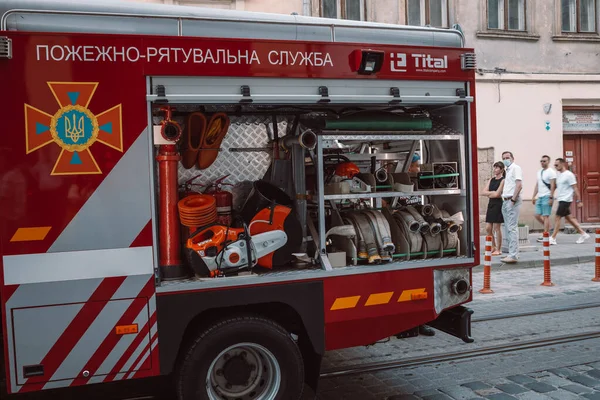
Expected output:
{"points": [[425, 209], [435, 228], [381, 175], [453, 228], [411, 222], [460, 287], [423, 225], [307, 140], [170, 130]]}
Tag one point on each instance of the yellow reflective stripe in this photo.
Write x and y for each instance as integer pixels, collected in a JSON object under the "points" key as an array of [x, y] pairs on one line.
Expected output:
{"points": [[407, 294], [345, 302], [30, 234], [379, 298]]}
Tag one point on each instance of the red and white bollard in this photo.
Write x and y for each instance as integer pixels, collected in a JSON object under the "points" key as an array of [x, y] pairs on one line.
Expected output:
{"points": [[487, 266], [597, 275], [547, 277]]}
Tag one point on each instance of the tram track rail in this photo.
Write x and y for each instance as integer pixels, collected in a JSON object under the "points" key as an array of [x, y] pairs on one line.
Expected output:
{"points": [[574, 307], [491, 350], [460, 355]]}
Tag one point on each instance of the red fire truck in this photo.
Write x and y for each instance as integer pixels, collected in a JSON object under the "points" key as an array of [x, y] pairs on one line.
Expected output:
{"points": [[224, 196]]}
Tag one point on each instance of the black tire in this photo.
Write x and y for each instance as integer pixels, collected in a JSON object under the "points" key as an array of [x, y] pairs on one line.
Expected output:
{"points": [[206, 348]]}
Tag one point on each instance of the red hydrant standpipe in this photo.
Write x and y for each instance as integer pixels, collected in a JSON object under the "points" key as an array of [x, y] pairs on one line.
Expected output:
{"points": [[170, 262]]}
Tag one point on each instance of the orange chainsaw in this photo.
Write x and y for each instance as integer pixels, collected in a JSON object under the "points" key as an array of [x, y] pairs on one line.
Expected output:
{"points": [[216, 250]]}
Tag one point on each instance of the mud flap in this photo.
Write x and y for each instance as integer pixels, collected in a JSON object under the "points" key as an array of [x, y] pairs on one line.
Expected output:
{"points": [[455, 322]]}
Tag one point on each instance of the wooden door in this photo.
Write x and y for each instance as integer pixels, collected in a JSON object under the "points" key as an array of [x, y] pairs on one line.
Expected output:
{"points": [[571, 153], [590, 177], [583, 154]]}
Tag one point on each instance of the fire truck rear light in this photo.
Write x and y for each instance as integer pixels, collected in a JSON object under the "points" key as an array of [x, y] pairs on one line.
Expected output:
{"points": [[5, 47], [126, 329], [418, 296]]}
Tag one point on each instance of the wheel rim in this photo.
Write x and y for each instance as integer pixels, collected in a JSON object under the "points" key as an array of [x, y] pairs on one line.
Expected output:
{"points": [[244, 371]]}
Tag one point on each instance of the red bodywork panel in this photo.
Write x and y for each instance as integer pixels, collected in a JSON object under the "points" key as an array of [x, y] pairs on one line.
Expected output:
{"points": [[376, 305]]}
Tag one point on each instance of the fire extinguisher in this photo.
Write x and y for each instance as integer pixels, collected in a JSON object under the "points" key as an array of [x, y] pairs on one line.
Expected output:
{"points": [[224, 200], [186, 188]]}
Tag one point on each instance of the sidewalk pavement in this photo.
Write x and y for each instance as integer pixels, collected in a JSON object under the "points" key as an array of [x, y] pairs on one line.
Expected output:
{"points": [[564, 253]]}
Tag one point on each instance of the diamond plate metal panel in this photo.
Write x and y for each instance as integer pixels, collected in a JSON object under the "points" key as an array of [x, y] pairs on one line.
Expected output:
{"points": [[244, 132]]}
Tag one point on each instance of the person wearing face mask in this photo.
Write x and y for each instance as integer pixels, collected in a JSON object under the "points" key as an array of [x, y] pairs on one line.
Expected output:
{"points": [[511, 205], [566, 189], [544, 187]]}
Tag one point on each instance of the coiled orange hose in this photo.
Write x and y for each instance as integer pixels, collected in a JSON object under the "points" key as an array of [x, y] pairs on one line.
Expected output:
{"points": [[197, 210]]}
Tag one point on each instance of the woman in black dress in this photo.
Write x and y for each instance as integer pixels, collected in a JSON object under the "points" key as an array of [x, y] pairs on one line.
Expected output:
{"points": [[493, 217]]}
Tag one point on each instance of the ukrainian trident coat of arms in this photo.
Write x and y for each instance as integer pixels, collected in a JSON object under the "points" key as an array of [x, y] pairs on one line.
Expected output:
{"points": [[74, 128]]}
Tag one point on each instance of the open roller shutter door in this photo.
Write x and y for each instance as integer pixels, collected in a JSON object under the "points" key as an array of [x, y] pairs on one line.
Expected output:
{"points": [[215, 90]]}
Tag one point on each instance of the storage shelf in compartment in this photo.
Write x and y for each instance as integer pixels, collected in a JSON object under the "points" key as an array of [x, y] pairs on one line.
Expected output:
{"points": [[418, 253], [432, 192], [380, 135]]}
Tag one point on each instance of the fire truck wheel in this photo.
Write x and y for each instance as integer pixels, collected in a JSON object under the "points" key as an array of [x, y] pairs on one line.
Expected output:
{"points": [[243, 358]]}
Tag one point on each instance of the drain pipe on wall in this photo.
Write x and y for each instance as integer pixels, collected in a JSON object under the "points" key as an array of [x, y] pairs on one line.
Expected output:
{"points": [[306, 8]]}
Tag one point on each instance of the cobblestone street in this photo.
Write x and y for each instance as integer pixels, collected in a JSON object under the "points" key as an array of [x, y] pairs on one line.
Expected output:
{"points": [[564, 371]]}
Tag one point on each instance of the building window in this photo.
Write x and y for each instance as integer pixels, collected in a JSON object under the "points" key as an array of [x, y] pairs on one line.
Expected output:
{"points": [[427, 12], [343, 9], [506, 15], [578, 16]]}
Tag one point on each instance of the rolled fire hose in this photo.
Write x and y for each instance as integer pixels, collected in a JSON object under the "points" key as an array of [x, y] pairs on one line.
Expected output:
{"points": [[449, 240], [415, 239], [434, 243], [378, 239], [382, 236], [437, 214], [452, 227], [384, 230], [359, 242], [368, 232], [364, 227], [425, 209], [398, 231], [450, 236], [423, 225], [411, 223], [434, 218]]}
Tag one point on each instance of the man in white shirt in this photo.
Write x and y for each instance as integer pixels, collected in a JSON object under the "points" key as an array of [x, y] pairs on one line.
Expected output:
{"points": [[544, 187], [566, 189], [511, 205]]}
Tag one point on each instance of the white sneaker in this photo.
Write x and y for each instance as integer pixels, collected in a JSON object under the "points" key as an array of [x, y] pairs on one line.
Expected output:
{"points": [[552, 241], [582, 238]]}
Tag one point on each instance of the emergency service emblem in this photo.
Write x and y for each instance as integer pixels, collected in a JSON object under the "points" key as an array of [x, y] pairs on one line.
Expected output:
{"points": [[74, 128]]}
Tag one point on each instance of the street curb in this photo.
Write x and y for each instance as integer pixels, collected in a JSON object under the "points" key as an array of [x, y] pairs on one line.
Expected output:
{"points": [[540, 263]]}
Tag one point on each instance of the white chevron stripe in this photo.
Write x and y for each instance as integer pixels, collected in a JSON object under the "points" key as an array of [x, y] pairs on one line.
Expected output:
{"points": [[123, 195], [77, 265]]}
